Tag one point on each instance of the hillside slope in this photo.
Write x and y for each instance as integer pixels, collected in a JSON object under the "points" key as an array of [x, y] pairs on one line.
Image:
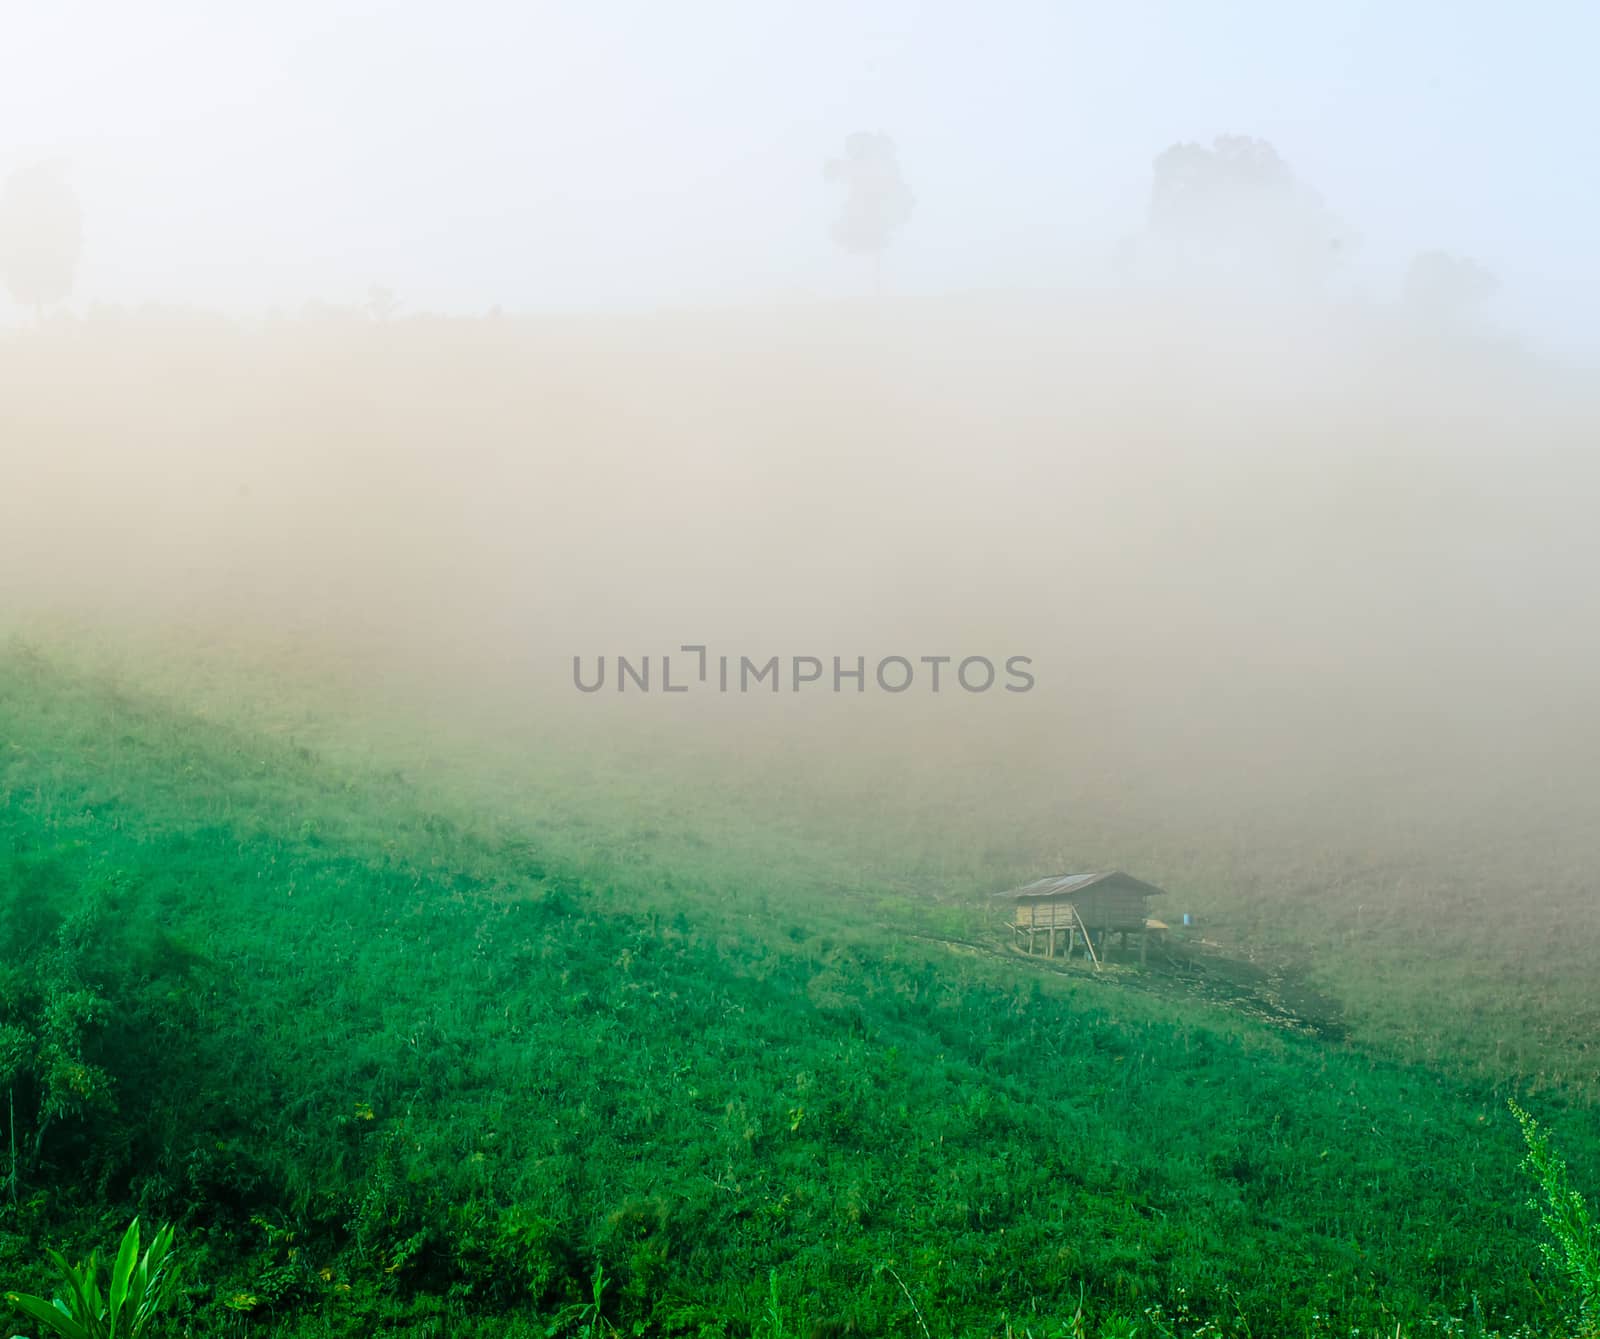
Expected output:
{"points": [[388, 1067]]}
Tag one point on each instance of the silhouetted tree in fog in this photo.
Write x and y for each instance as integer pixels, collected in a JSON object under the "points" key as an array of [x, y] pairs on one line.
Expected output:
{"points": [[41, 237], [1236, 211], [382, 305], [877, 201], [1445, 287]]}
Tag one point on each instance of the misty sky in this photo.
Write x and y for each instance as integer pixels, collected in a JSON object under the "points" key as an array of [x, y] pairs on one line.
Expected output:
{"points": [[562, 156]]}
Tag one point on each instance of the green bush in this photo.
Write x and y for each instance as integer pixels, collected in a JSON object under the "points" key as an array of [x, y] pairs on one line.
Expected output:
{"points": [[1575, 1252]]}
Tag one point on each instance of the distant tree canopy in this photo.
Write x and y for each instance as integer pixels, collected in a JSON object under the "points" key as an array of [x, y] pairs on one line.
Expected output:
{"points": [[877, 201], [1237, 211], [1445, 286], [41, 237]]}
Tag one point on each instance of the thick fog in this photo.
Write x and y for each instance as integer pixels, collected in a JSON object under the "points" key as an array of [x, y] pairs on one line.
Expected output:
{"points": [[569, 157]]}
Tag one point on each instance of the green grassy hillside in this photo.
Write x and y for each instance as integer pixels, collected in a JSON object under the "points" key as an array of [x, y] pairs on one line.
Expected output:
{"points": [[397, 1064]]}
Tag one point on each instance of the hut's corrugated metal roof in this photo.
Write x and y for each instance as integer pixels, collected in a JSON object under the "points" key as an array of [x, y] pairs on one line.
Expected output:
{"points": [[1057, 884]]}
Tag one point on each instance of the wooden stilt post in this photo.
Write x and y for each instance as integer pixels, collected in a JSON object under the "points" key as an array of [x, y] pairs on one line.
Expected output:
{"points": [[1088, 939]]}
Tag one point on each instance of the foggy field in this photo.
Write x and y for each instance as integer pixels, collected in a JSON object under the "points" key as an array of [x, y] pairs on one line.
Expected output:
{"points": [[1311, 617], [1281, 593], [292, 607]]}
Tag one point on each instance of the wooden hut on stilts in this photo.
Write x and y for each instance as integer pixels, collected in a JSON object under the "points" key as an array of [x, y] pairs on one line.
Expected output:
{"points": [[1066, 910]]}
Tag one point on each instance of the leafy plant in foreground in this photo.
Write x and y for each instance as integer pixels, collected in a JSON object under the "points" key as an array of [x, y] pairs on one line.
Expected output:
{"points": [[1575, 1253], [587, 1319], [139, 1289]]}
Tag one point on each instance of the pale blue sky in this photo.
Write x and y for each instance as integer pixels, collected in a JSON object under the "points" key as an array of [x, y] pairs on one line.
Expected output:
{"points": [[630, 154]]}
